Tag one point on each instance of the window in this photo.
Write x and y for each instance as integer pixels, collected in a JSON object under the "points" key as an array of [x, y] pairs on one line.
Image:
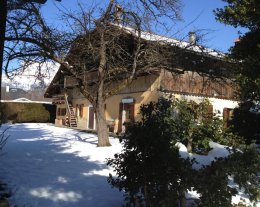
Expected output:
{"points": [[81, 106], [61, 111], [227, 116], [201, 111], [129, 111], [79, 110]]}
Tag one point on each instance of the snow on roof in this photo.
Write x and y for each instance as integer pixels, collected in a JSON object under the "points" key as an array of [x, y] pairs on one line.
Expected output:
{"points": [[174, 42], [18, 100], [22, 100], [25, 100]]}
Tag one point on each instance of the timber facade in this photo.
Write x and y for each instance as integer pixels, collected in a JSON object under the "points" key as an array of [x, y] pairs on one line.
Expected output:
{"points": [[199, 73], [74, 110]]}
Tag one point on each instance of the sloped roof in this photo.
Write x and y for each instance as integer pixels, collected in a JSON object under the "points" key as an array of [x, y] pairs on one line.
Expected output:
{"points": [[52, 87], [148, 36], [174, 42]]}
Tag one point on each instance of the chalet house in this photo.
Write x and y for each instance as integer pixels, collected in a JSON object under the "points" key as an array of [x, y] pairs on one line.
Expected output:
{"points": [[74, 110]]}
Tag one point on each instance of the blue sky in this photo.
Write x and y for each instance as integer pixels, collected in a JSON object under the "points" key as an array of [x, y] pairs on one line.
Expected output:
{"points": [[197, 16], [219, 36]]}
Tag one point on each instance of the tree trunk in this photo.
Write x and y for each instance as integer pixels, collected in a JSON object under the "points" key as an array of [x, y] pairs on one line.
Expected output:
{"points": [[183, 199], [3, 14], [147, 196], [102, 132], [189, 145], [103, 140]]}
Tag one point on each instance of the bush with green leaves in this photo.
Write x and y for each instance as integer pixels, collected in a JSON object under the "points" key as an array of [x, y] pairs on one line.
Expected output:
{"points": [[196, 126], [245, 122], [150, 169], [216, 182], [28, 112], [151, 172]]}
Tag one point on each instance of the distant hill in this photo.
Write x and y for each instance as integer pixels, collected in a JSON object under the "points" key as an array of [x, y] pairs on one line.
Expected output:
{"points": [[17, 93], [31, 78], [30, 84]]}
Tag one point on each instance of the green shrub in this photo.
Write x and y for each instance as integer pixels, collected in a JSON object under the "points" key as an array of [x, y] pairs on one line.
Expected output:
{"points": [[151, 172], [28, 112], [150, 169]]}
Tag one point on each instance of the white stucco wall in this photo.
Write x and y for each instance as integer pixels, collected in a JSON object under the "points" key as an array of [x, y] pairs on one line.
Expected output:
{"points": [[217, 103], [220, 104]]}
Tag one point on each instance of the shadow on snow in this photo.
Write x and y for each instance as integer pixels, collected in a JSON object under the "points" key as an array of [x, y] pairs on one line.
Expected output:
{"points": [[40, 172]]}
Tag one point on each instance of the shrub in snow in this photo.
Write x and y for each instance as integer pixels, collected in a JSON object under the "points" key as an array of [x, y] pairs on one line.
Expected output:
{"points": [[246, 122], [149, 169], [228, 176], [154, 170], [196, 127]]}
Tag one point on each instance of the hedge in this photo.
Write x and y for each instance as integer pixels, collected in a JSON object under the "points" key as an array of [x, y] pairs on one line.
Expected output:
{"points": [[28, 112]]}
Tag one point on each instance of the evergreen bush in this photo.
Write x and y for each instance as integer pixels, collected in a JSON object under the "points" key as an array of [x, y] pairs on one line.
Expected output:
{"points": [[150, 169], [151, 172], [28, 112]]}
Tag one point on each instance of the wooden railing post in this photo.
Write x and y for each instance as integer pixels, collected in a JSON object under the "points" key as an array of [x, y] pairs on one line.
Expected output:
{"points": [[68, 107]]}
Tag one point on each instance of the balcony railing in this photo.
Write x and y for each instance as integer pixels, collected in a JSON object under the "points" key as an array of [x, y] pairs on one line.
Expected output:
{"points": [[58, 99], [70, 81]]}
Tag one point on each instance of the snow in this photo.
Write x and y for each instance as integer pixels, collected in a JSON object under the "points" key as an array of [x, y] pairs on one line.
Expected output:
{"points": [[45, 165], [24, 100], [49, 166], [174, 42], [217, 151]]}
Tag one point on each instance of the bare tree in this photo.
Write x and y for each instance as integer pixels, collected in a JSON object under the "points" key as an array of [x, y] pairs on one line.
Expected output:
{"points": [[3, 138], [95, 43], [5, 6], [104, 49]]}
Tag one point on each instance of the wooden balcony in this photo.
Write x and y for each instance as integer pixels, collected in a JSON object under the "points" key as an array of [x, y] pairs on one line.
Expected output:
{"points": [[70, 82], [58, 99]]}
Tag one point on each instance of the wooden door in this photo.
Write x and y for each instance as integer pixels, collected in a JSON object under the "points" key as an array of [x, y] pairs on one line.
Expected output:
{"points": [[91, 117], [129, 114], [120, 117]]}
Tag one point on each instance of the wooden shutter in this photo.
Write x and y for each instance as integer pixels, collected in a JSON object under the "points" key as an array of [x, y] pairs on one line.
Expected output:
{"points": [[120, 117], [227, 113], [132, 111], [210, 111]]}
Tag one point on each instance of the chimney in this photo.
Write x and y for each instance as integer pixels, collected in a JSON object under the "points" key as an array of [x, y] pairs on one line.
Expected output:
{"points": [[192, 38], [7, 89], [118, 14], [236, 40]]}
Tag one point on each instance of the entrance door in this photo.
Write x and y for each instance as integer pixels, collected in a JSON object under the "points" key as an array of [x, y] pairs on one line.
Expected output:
{"points": [[91, 117], [126, 114]]}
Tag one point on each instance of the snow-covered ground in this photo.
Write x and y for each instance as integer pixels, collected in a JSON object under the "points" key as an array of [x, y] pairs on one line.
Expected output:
{"points": [[45, 166], [57, 167]]}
